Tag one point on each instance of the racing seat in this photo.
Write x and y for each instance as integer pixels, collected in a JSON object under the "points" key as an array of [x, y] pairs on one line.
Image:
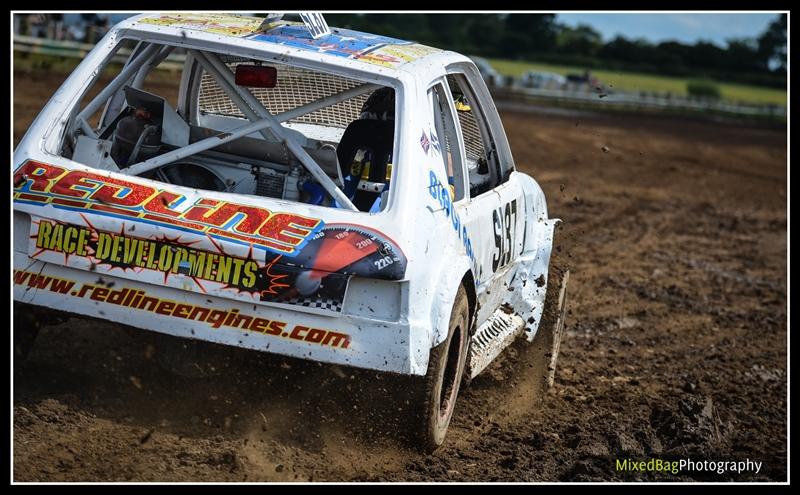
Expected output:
{"points": [[365, 157]]}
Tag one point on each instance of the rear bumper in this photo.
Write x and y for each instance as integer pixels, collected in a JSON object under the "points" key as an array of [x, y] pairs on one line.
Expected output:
{"points": [[345, 339]]}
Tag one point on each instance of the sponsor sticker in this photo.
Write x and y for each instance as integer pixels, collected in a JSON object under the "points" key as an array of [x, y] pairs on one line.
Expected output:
{"points": [[215, 318]]}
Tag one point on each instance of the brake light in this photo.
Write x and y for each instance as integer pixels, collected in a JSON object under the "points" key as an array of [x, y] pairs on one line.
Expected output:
{"points": [[256, 76]]}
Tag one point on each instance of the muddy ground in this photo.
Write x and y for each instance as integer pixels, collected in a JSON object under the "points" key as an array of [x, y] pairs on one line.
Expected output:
{"points": [[675, 235]]}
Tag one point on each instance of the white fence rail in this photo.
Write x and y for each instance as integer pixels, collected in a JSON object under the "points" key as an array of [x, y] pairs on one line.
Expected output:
{"points": [[643, 100], [635, 101]]}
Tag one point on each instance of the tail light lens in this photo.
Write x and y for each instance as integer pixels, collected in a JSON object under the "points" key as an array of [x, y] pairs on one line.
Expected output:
{"points": [[256, 76]]}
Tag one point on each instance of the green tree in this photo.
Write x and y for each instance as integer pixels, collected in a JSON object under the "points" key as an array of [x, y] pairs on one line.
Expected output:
{"points": [[580, 40], [742, 55], [772, 44], [483, 36], [528, 34]]}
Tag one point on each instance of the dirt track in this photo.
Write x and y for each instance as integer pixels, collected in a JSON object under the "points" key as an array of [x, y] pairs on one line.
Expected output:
{"points": [[675, 233]]}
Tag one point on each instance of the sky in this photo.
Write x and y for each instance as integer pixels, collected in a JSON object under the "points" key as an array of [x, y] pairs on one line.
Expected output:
{"points": [[687, 28]]}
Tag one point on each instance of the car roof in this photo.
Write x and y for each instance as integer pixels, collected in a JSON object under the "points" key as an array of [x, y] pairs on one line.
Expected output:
{"points": [[343, 47]]}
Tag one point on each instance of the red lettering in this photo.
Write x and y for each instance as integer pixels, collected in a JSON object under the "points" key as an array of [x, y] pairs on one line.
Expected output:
{"points": [[200, 209], [249, 218], [335, 339], [252, 218], [182, 311], [315, 335], [122, 193], [296, 332], [281, 232], [99, 294], [39, 175], [66, 185], [259, 325], [20, 276], [165, 308], [276, 327], [160, 203], [288, 229]]}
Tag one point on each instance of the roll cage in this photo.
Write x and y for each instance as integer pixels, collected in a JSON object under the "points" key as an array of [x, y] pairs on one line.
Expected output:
{"points": [[147, 55]]}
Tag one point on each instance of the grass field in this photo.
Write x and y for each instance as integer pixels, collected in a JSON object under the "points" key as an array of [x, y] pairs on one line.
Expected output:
{"points": [[619, 80], [630, 81], [33, 62]]}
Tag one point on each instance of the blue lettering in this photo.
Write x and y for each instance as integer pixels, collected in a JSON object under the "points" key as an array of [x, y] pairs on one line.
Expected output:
{"points": [[433, 188], [442, 195]]}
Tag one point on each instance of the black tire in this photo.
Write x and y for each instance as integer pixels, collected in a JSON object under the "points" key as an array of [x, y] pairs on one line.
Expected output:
{"points": [[434, 399], [26, 328]]}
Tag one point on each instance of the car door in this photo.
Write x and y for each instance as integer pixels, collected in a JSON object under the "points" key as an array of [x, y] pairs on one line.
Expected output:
{"points": [[490, 203]]}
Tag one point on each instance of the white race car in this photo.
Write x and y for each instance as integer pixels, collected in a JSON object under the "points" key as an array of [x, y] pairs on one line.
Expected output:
{"points": [[321, 193]]}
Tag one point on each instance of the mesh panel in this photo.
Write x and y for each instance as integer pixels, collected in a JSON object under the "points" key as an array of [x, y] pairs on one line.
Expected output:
{"points": [[444, 138], [473, 144], [295, 87]]}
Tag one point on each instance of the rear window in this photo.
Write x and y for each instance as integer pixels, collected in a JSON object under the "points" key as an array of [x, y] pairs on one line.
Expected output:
{"points": [[295, 87], [339, 155]]}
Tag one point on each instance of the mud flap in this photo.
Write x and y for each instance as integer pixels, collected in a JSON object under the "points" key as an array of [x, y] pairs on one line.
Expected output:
{"points": [[558, 329]]}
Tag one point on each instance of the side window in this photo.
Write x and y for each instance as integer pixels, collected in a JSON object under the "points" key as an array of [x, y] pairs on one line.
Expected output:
{"points": [[444, 139], [484, 169]]}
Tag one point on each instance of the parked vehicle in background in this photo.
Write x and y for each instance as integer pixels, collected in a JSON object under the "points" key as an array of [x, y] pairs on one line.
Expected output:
{"points": [[543, 80], [490, 76], [585, 82]]}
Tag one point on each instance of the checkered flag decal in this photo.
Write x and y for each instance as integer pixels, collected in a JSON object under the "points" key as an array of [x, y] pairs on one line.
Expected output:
{"points": [[317, 302]]}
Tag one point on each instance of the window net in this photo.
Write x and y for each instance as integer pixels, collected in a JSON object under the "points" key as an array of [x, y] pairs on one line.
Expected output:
{"points": [[295, 87]]}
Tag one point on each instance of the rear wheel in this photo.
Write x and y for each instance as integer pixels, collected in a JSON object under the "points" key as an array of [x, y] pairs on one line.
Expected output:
{"points": [[433, 400]]}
